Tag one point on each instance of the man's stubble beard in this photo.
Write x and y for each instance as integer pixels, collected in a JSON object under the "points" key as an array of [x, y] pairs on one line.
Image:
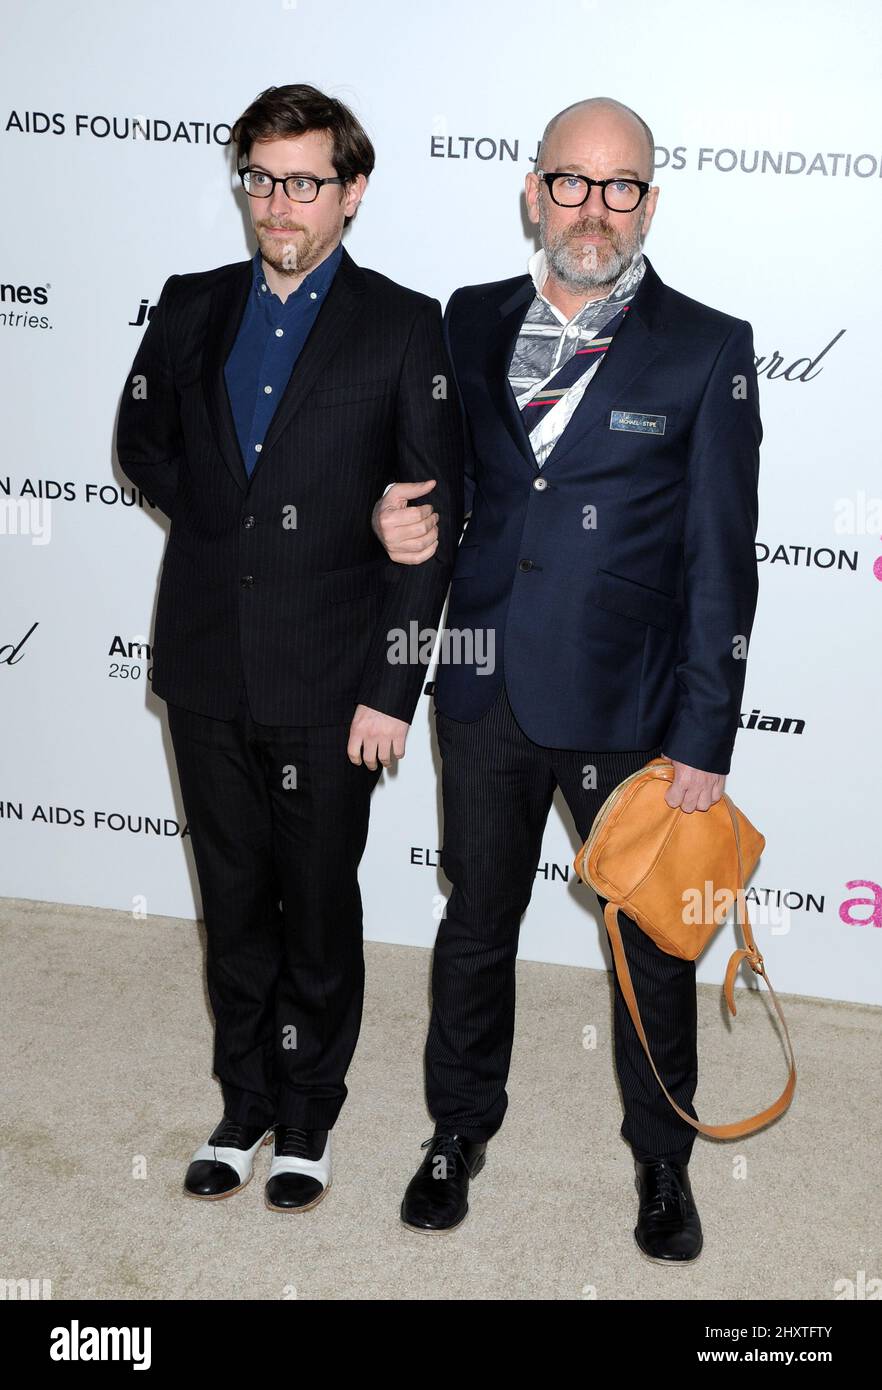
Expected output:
{"points": [[584, 270], [295, 256]]}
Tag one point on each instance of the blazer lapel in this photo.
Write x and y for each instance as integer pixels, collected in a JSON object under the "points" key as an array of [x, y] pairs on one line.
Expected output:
{"points": [[500, 349], [229, 298], [334, 321], [632, 349]]}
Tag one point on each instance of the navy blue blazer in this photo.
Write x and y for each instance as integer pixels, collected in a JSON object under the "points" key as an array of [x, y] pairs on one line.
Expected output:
{"points": [[624, 627]]}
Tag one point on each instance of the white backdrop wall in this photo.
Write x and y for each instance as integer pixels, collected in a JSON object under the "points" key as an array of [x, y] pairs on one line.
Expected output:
{"points": [[769, 158]]}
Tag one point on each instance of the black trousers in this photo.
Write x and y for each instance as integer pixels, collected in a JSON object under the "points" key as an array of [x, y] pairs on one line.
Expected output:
{"points": [[278, 817], [497, 789]]}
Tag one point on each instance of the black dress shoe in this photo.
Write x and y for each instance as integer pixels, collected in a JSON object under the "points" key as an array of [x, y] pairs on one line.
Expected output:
{"points": [[300, 1173], [668, 1229], [436, 1198], [224, 1164]]}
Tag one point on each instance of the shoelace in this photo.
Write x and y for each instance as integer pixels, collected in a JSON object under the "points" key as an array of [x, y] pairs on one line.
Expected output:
{"points": [[229, 1135], [447, 1146], [292, 1143], [668, 1192]]}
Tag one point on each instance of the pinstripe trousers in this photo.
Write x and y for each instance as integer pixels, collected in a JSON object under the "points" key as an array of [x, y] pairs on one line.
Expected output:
{"points": [[497, 791], [278, 820]]}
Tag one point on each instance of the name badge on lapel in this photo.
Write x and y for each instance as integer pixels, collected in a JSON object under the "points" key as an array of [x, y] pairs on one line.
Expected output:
{"points": [[639, 424]]}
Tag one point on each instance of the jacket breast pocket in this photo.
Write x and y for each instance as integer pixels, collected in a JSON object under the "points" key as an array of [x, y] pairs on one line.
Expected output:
{"points": [[631, 599], [348, 393]]}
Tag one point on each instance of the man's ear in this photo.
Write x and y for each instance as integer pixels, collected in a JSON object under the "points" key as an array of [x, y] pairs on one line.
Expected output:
{"points": [[651, 199], [531, 193], [353, 192]]}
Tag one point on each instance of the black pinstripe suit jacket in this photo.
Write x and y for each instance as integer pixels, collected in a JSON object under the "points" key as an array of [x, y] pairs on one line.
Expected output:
{"points": [[279, 577]]}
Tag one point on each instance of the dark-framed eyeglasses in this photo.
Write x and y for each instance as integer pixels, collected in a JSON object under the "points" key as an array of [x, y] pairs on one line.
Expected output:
{"points": [[572, 190], [300, 188]]}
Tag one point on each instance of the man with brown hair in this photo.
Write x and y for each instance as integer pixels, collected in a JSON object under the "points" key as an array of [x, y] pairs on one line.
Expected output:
{"points": [[270, 401]]}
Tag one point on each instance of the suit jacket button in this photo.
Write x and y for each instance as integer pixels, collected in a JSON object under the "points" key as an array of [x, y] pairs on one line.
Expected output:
{"points": [[540, 484], [248, 521], [247, 581], [525, 564]]}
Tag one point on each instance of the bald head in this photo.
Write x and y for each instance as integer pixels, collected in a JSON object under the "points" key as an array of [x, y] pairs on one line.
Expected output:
{"points": [[589, 242], [604, 124]]}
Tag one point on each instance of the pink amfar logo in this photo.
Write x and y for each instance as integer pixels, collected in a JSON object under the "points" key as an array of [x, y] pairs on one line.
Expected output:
{"points": [[874, 903], [877, 566]]}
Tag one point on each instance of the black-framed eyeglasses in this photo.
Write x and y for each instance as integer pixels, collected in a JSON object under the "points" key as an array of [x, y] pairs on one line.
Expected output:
{"points": [[572, 190], [300, 188]]}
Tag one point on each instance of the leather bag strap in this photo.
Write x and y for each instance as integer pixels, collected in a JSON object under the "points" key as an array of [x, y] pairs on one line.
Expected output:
{"points": [[749, 953]]}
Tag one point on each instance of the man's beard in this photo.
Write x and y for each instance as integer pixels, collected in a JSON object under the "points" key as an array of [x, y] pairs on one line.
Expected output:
{"points": [[291, 257], [589, 267]]}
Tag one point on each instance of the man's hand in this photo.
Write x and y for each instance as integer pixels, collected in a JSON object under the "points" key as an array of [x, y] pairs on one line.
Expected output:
{"points": [[378, 734], [408, 534], [693, 790]]}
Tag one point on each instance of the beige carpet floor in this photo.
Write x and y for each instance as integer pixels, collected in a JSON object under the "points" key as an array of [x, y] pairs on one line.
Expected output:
{"points": [[107, 1090]]}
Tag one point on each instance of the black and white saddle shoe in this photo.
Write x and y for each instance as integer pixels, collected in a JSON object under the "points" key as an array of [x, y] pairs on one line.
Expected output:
{"points": [[300, 1173], [224, 1164], [436, 1198], [668, 1229]]}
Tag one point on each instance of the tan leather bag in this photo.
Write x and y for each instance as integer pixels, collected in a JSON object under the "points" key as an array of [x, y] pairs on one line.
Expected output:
{"points": [[658, 864]]}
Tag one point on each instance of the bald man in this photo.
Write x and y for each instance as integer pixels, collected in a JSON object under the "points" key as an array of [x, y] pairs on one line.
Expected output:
{"points": [[608, 564]]}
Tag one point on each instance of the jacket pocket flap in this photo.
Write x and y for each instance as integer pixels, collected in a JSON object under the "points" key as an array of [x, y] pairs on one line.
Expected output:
{"points": [[633, 600], [349, 392], [337, 586]]}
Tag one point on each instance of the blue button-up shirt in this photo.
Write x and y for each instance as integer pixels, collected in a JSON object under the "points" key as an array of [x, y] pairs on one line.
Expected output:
{"points": [[270, 339]]}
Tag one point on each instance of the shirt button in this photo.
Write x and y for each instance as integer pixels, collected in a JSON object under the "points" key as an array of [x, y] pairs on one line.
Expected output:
{"points": [[257, 448], [540, 484], [268, 390], [313, 295], [525, 564], [280, 332]]}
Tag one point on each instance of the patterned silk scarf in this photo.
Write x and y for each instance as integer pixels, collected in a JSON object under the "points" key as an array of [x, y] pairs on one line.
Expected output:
{"points": [[582, 361]]}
